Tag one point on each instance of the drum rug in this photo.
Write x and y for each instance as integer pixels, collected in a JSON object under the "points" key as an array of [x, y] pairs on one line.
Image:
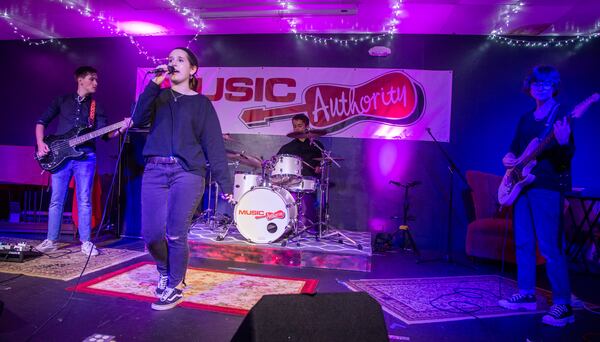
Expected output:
{"points": [[212, 290], [67, 262], [442, 299]]}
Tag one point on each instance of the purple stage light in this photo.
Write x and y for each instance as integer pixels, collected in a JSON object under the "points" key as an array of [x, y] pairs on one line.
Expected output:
{"points": [[142, 28]]}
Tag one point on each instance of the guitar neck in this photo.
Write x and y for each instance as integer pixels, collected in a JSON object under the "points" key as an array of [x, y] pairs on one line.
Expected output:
{"points": [[542, 144], [577, 112], [89, 136]]}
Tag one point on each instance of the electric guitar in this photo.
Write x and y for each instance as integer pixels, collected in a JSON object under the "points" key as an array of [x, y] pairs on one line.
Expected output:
{"points": [[63, 147], [519, 176]]}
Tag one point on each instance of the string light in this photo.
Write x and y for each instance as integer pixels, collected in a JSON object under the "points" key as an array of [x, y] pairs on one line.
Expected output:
{"points": [[27, 39], [390, 29], [191, 18], [107, 23], [497, 34], [342, 42]]}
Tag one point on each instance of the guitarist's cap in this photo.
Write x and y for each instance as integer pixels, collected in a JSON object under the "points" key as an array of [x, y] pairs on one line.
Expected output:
{"points": [[542, 73], [83, 71]]}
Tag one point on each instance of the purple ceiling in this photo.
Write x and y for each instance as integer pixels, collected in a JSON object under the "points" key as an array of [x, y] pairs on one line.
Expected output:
{"points": [[71, 19]]}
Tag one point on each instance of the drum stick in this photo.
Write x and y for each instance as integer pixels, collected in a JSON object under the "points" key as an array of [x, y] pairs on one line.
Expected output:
{"points": [[307, 164]]}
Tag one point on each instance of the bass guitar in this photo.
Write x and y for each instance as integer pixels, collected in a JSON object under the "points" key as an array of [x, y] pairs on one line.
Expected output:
{"points": [[64, 147]]}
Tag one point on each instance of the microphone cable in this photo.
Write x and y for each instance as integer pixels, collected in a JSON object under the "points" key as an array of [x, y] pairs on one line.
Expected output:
{"points": [[69, 299]]}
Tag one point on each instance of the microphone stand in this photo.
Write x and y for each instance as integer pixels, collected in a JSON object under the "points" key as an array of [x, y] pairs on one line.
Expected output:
{"points": [[452, 169]]}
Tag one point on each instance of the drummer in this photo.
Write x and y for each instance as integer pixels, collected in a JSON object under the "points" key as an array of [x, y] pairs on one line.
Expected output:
{"points": [[303, 148]]}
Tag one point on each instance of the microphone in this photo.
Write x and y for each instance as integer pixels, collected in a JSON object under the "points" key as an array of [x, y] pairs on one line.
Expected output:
{"points": [[170, 70], [395, 183]]}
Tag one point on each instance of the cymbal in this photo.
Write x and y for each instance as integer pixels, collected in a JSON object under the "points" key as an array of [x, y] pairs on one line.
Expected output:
{"points": [[334, 158], [308, 134], [244, 159]]}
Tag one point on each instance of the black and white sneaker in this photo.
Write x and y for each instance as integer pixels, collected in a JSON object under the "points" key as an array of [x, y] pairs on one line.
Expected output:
{"points": [[162, 285], [519, 302], [559, 315], [169, 299]]}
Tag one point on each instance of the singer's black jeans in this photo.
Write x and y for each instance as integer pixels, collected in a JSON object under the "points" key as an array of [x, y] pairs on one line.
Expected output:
{"points": [[170, 196]]}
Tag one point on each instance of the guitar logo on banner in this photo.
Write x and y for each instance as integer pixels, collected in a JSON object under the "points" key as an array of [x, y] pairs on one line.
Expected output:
{"points": [[391, 98]]}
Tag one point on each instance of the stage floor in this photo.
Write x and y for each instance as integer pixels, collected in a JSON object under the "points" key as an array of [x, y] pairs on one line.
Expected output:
{"points": [[31, 301], [309, 252]]}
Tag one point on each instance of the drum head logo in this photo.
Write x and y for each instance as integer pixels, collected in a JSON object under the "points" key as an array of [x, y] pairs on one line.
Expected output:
{"points": [[261, 214]]}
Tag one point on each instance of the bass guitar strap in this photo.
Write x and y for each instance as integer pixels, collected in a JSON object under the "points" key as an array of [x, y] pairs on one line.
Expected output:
{"points": [[92, 116]]}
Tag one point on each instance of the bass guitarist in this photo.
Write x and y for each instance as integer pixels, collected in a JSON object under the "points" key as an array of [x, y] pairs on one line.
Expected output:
{"points": [[73, 110], [537, 209]]}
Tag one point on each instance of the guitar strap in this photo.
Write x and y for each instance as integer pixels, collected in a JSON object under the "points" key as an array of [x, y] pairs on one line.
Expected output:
{"points": [[92, 116], [551, 120]]}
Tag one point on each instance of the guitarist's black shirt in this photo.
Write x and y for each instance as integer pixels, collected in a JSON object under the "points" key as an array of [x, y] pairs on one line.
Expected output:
{"points": [[187, 128], [553, 168], [71, 113]]}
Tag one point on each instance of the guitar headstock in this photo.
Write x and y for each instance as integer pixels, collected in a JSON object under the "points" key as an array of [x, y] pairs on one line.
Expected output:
{"points": [[583, 106]]}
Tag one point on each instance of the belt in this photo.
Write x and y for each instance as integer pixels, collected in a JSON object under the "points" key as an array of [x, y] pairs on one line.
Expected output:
{"points": [[162, 160]]}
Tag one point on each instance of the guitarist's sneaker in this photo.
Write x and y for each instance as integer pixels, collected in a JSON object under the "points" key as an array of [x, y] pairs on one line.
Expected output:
{"points": [[88, 247], [47, 246], [519, 302], [559, 315]]}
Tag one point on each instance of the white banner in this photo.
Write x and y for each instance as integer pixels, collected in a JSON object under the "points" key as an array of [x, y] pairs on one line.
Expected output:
{"points": [[352, 103]]}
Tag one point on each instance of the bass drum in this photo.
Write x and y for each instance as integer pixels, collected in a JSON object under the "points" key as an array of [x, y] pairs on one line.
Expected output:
{"points": [[264, 214]]}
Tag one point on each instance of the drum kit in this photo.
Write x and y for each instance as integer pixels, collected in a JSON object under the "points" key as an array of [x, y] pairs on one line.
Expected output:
{"points": [[268, 203]]}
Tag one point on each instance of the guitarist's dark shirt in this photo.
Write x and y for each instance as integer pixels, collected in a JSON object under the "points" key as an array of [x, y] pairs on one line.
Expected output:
{"points": [[73, 114], [188, 129], [553, 169]]}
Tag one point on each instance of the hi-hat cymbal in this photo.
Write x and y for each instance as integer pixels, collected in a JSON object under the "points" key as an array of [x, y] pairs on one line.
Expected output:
{"points": [[244, 158], [308, 134], [330, 158]]}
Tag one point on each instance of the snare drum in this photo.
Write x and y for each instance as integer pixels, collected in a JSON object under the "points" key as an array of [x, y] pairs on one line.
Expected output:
{"points": [[264, 214], [244, 182], [306, 185], [287, 169]]}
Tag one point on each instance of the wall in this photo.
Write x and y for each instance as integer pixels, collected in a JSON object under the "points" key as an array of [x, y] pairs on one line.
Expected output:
{"points": [[487, 103]]}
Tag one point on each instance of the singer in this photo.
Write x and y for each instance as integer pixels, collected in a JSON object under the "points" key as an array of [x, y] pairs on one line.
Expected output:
{"points": [[185, 132]]}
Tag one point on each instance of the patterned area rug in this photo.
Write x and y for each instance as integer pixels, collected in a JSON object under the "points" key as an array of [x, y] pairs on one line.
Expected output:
{"points": [[212, 290], [442, 299], [66, 263]]}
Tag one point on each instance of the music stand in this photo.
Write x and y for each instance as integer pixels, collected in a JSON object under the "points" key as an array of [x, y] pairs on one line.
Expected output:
{"points": [[452, 169], [404, 227]]}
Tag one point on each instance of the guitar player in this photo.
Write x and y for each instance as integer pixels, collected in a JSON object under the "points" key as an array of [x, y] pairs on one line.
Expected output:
{"points": [[78, 109], [537, 209]]}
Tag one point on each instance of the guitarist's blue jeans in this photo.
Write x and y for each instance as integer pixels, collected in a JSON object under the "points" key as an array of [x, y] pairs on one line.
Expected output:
{"points": [[83, 171], [537, 213], [170, 196]]}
